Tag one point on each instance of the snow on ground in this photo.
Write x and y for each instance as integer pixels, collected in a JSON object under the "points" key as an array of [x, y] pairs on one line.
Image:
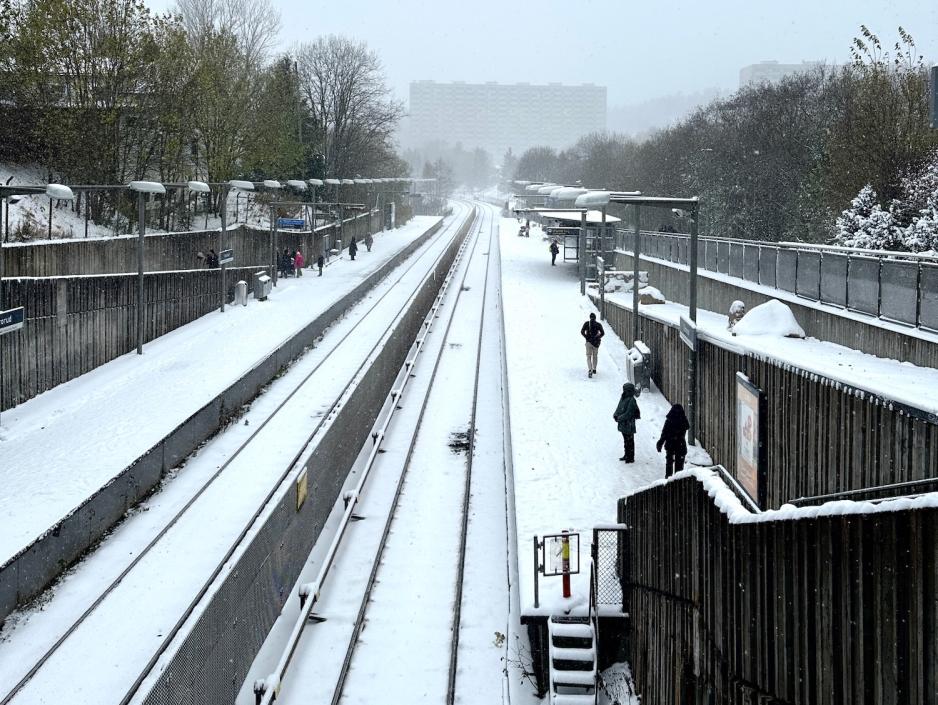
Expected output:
{"points": [[897, 381], [62, 446], [565, 445]]}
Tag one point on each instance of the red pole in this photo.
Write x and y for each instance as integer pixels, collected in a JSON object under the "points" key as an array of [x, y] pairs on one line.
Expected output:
{"points": [[565, 557]]}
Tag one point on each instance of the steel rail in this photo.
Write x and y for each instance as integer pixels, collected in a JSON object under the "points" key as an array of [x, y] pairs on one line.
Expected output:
{"points": [[43, 659], [366, 598]]}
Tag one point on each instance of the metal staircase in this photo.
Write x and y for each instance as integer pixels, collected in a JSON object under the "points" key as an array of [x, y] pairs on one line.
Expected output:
{"points": [[573, 664]]}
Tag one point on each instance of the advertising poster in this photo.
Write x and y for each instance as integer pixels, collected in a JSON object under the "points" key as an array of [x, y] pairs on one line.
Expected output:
{"points": [[749, 441]]}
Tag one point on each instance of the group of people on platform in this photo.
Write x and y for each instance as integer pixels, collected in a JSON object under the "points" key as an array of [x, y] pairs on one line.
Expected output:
{"points": [[672, 439]]}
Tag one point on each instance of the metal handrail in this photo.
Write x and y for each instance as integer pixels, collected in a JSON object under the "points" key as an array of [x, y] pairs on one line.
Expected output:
{"points": [[843, 282], [904, 489]]}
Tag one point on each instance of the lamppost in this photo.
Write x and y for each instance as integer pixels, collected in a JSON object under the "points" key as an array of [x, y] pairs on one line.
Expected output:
{"points": [[142, 188], [272, 185], [313, 184]]}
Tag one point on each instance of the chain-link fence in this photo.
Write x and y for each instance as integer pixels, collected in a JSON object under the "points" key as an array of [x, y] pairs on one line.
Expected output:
{"points": [[608, 546]]}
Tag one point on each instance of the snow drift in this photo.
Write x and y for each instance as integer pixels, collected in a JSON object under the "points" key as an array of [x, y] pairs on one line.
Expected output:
{"points": [[771, 318]]}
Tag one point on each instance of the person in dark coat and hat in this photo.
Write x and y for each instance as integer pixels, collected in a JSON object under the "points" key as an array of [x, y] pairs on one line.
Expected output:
{"points": [[627, 412], [673, 441], [353, 248]]}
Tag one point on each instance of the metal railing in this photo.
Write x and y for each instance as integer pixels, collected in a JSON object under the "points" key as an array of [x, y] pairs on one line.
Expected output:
{"points": [[900, 287]]}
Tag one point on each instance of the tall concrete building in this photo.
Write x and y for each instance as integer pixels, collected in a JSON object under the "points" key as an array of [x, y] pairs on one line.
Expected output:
{"points": [[497, 116], [772, 71]]}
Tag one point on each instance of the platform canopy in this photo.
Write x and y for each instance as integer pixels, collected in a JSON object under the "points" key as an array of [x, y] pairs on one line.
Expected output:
{"points": [[573, 217]]}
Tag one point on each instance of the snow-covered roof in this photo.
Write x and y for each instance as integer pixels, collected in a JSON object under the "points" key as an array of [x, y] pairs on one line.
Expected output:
{"points": [[574, 216]]}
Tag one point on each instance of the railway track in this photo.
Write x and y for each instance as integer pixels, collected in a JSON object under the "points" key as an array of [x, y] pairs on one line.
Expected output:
{"points": [[113, 598], [443, 398]]}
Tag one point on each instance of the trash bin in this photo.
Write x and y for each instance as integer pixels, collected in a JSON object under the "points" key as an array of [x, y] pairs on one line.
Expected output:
{"points": [[640, 366], [241, 293], [262, 286]]}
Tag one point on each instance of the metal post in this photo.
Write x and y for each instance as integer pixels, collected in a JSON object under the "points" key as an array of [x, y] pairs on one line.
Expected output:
{"points": [[341, 229], [692, 311], [602, 236], [581, 252], [141, 222], [273, 251], [635, 261], [221, 243], [50, 218], [87, 211], [692, 307], [565, 562], [601, 272], [537, 600]]}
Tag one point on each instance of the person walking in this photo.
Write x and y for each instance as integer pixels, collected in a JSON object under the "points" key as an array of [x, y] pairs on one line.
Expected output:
{"points": [[626, 414], [353, 249], [369, 241], [593, 332], [554, 251], [320, 263], [673, 441], [298, 262], [211, 260]]}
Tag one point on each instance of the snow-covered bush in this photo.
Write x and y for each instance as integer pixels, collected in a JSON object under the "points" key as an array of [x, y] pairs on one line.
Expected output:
{"points": [[909, 225]]}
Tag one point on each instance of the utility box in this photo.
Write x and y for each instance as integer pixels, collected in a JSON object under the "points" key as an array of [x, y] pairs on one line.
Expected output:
{"points": [[241, 293], [640, 366], [262, 286]]}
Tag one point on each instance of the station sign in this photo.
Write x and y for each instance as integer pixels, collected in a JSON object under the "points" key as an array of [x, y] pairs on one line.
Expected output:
{"points": [[688, 332], [295, 223], [226, 257], [12, 320]]}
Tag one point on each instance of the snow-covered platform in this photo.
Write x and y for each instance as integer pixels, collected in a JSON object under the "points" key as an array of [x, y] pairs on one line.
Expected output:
{"points": [[62, 447], [565, 444]]}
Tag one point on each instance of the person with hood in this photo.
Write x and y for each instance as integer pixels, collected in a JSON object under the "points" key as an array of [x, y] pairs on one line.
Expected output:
{"points": [[320, 262], [353, 248], [593, 332], [369, 241], [298, 262], [554, 251], [627, 412], [672, 439]]}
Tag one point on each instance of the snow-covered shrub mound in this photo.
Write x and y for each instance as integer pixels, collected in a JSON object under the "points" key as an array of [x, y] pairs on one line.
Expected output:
{"points": [[650, 295], [771, 318]]}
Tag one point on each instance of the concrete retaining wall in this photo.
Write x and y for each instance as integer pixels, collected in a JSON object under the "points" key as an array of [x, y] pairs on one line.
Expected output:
{"points": [[213, 660], [30, 571]]}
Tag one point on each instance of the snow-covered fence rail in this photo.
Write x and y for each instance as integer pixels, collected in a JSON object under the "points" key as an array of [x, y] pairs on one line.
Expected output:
{"points": [[171, 251], [823, 436], [818, 605], [901, 287], [716, 291]]}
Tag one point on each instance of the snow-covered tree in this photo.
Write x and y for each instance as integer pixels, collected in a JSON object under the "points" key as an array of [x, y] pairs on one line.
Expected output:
{"points": [[866, 225]]}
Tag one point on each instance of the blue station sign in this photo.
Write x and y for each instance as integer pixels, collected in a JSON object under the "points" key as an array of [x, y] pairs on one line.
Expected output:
{"points": [[12, 320]]}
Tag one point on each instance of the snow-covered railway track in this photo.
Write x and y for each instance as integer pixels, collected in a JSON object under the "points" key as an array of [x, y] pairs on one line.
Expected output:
{"points": [[403, 505], [122, 601]]}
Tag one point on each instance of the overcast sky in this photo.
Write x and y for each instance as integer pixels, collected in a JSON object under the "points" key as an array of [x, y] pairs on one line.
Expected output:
{"points": [[639, 50]]}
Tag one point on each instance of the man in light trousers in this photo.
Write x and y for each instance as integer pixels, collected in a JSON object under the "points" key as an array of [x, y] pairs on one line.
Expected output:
{"points": [[593, 332]]}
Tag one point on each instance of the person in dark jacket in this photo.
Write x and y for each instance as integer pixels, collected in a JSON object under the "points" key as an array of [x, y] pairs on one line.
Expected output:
{"points": [[211, 260], [353, 248], [627, 412], [673, 441], [593, 332], [554, 251], [320, 262]]}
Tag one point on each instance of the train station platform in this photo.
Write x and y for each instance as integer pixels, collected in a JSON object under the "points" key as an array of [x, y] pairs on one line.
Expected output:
{"points": [[565, 444], [60, 448]]}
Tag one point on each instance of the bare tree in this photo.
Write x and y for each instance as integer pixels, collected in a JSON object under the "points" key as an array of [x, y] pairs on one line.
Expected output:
{"points": [[352, 111], [254, 23]]}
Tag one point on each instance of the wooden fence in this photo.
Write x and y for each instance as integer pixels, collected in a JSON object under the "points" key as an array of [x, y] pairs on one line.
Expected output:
{"points": [[76, 323], [715, 292], [822, 436], [172, 251], [821, 609]]}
